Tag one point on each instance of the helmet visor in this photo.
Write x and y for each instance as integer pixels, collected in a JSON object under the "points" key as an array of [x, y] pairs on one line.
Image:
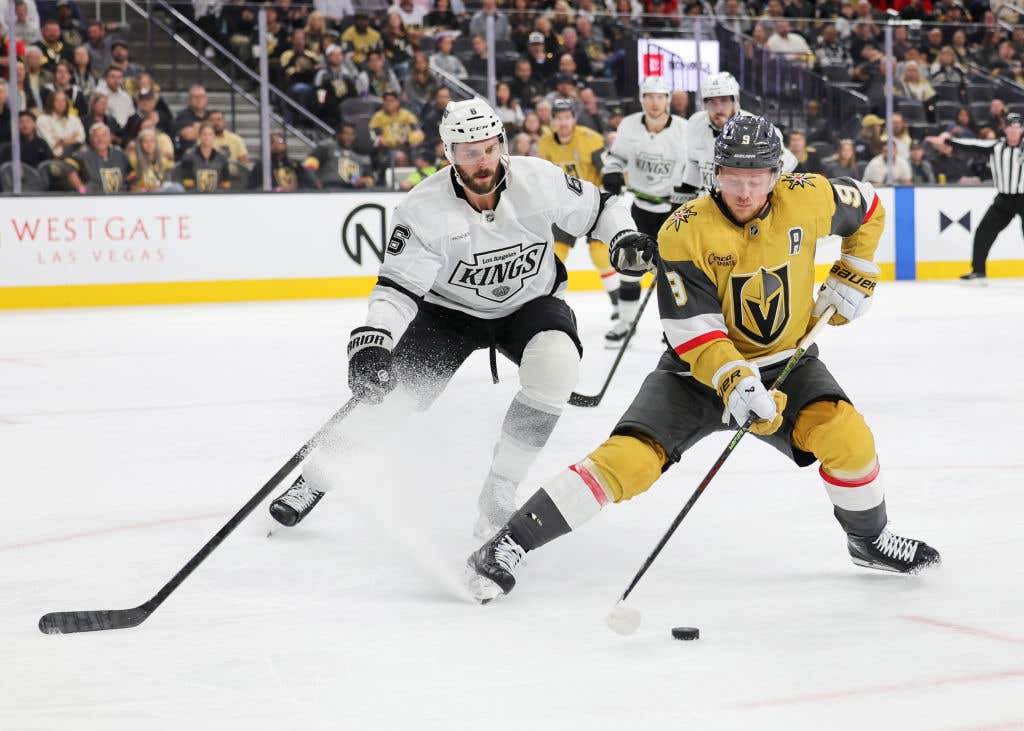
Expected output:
{"points": [[745, 181], [484, 153]]}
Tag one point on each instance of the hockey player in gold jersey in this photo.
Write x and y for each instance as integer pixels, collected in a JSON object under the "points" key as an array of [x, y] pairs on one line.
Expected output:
{"points": [[579, 151], [735, 276]]}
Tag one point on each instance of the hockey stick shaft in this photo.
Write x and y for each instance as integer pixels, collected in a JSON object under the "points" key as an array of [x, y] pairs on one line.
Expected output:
{"points": [[802, 347], [579, 399], [88, 621]]}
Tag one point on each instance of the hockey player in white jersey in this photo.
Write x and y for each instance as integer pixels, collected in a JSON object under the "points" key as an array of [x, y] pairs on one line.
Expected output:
{"points": [[648, 156], [470, 265], [720, 94]]}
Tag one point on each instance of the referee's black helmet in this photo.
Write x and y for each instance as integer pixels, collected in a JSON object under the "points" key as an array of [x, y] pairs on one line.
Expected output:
{"points": [[749, 142]]}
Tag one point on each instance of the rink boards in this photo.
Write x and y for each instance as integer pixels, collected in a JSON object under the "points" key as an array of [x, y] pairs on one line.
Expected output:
{"points": [[164, 249]]}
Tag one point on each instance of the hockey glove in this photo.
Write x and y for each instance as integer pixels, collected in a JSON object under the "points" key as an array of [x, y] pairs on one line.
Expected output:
{"points": [[848, 288], [633, 253], [369, 364], [744, 396], [613, 182]]}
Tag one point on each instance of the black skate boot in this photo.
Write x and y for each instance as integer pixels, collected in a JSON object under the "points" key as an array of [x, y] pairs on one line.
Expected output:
{"points": [[890, 552], [295, 503], [614, 337], [490, 570]]}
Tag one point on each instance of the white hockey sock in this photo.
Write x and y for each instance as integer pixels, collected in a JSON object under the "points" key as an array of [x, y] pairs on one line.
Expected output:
{"points": [[859, 501], [577, 493], [610, 281], [524, 432]]}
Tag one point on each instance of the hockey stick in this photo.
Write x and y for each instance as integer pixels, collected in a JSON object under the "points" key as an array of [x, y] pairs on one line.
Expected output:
{"points": [[57, 623], [579, 399], [625, 620]]}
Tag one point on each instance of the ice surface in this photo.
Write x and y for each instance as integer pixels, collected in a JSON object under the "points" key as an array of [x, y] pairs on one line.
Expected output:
{"points": [[128, 436]]}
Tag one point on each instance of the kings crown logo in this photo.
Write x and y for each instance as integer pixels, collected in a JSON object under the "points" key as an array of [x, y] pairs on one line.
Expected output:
{"points": [[498, 275], [760, 303]]}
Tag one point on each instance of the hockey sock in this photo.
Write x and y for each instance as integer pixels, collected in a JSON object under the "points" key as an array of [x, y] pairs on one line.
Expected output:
{"points": [[629, 297], [524, 432], [609, 277], [565, 503]]}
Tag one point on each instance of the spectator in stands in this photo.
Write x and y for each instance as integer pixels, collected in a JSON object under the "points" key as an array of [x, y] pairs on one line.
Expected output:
{"points": [[426, 165], [24, 102], [62, 82], [816, 126], [62, 131], [807, 160], [913, 55], [432, 113], [360, 38], [443, 59], [914, 10], [277, 36], [1007, 65], [239, 18], [376, 79], [900, 41], [912, 86], [204, 169], [790, 45], [70, 21], [149, 168], [871, 75], [164, 142], [120, 102], [543, 110], [398, 47], [410, 13], [627, 14], [871, 129], [997, 112], [533, 127], [36, 78], [144, 106], [99, 114], [843, 162], [733, 16], [591, 114], [561, 16], [525, 88], [946, 70], [678, 104], [920, 168], [572, 48], [299, 65], [963, 125], [476, 64], [100, 167], [542, 62], [593, 43], [420, 84], [960, 49], [948, 167], [143, 83], [286, 175], [441, 18], [34, 149], [395, 129], [336, 164], [862, 38], [844, 22], [901, 136], [25, 28], [507, 107], [186, 124], [523, 146], [334, 82], [5, 114], [53, 48], [98, 45], [119, 59], [565, 89], [82, 71], [489, 9], [318, 38], [831, 53], [226, 141]]}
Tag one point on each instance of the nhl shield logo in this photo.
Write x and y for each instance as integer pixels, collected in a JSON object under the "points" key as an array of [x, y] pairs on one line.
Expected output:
{"points": [[760, 303], [500, 274]]}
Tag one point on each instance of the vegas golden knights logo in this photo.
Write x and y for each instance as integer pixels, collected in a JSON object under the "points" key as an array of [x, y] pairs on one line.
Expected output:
{"points": [[760, 303], [111, 179], [206, 180], [285, 177]]}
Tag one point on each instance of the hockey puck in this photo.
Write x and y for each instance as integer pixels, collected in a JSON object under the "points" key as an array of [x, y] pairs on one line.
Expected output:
{"points": [[685, 633]]}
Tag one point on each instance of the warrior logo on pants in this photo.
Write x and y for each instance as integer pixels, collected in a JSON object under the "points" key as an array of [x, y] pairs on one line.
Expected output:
{"points": [[761, 303]]}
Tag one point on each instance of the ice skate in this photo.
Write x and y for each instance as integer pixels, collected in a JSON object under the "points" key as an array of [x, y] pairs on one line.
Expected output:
{"points": [[490, 570], [614, 337], [890, 552], [295, 503]]}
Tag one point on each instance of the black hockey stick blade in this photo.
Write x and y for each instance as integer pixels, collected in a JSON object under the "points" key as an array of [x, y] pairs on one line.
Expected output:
{"points": [[65, 623], [587, 402]]}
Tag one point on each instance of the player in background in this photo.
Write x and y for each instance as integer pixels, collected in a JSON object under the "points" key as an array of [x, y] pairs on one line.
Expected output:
{"points": [[648, 155], [579, 151], [735, 277], [721, 96], [470, 265]]}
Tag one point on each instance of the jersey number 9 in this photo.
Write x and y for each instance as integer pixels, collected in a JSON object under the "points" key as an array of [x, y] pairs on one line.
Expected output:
{"points": [[848, 195], [675, 285]]}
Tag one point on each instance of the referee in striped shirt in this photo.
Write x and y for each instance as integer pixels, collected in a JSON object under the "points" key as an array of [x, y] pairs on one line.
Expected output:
{"points": [[1007, 163]]}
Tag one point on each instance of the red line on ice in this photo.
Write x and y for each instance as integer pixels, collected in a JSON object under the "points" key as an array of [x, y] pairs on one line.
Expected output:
{"points": [[104, 531], [997, 726], [964, 629], [883, 689]]}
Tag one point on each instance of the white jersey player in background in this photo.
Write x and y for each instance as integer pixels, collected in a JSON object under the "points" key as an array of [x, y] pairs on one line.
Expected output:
{"points": [[648, 156], [470, 265], [720, 94]]}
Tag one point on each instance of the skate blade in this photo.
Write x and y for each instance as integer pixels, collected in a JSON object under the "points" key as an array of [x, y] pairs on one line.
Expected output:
{"points": [[885, 567], [480, 587]]}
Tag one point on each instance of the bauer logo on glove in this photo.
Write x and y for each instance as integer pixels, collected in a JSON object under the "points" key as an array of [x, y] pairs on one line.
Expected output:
{"points": [[848, 288]]}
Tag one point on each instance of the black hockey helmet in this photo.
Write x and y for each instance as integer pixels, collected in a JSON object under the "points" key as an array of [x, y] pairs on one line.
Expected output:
{"points": [[749, 142], [563, 105]]}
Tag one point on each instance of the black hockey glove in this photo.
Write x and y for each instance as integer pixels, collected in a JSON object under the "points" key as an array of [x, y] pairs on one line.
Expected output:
{"points": [[369, 364], [633, 253], [613, 182]]}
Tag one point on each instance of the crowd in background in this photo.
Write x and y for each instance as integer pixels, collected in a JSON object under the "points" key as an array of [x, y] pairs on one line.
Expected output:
{"points": [[93, 120]]}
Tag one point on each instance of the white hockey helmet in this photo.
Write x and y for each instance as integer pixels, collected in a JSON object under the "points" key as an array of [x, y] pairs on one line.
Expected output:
{"points": [[655, 85], [469, 120], [721, 84]]}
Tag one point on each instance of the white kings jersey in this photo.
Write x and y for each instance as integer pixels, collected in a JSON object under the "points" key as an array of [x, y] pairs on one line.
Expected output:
{"points": [[490, 263], [653, 162], [700, 153]]}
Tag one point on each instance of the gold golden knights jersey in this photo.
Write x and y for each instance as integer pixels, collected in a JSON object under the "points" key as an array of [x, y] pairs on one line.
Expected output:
{"points": [[729, 292], [582, 157]]}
